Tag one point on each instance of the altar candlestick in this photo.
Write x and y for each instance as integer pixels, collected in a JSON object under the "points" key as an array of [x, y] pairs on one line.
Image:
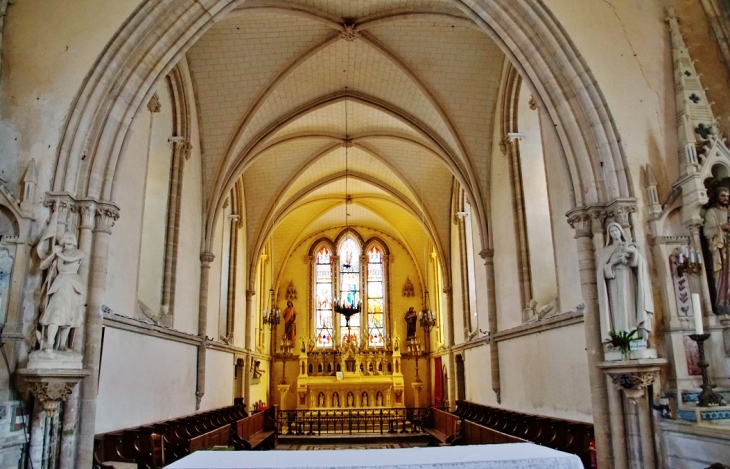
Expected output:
{"points": [[699, 329]]}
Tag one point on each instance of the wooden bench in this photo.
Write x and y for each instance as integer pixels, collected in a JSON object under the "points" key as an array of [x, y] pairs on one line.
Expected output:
{"points": [[444, 428], [221, 436], [136, 444], [255, 432], [564, 435], [475, 434]]}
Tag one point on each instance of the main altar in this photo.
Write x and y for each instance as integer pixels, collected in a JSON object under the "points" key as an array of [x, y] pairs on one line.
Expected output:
{"points": [[350, 376]]}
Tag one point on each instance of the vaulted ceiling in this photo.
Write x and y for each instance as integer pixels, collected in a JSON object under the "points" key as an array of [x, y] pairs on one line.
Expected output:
{"points": [[404, 91]]}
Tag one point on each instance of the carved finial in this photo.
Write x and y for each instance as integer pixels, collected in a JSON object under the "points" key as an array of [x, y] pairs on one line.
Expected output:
{"points": [[154, 104], [532, 104], [30, 180], [696, 124], [651, 191], [349, 32]]}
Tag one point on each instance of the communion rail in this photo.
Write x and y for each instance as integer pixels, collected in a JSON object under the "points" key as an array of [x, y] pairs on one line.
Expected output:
{"points": [[351, 421]]}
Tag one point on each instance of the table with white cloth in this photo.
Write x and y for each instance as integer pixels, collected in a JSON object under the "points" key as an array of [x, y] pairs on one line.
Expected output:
{"points": [[508, 456]]}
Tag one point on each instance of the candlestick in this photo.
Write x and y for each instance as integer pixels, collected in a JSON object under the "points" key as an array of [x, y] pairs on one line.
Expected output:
{"points": [[708, 397], [699, 328]]}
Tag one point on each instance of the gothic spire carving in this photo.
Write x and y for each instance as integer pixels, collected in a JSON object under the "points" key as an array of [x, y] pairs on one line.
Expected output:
{"points": [[696, 123]]}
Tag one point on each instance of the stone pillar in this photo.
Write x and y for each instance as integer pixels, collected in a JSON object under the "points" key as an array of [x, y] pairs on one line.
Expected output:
{"points": [[250, 314], [283, 389], [106, 214], [586, 223], [450, 344], [205, 259], [488, 256], [417, 387], [630, 378], [87, 214]]}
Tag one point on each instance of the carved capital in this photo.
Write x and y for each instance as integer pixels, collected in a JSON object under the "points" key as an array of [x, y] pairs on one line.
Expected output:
{"points": [[250, 294], [182, 145], [206, 258], [106, 215], [61, 203], [87, 213], [486, 253], [154, 104], [633, 384], [447, 290], [620, 211], [586, 221], [532, 104], [349, 32], [50, 393]]}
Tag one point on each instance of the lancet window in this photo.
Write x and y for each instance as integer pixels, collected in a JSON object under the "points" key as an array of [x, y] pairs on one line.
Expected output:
{"points": [[349, 254], [323, 315], [376, 297]]}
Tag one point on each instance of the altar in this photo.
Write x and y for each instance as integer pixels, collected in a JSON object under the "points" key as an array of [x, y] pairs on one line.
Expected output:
{"points": [[507, 456]]}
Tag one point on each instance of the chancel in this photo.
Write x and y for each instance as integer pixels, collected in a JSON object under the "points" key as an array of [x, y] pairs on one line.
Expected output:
{"points": [[293, 224]]}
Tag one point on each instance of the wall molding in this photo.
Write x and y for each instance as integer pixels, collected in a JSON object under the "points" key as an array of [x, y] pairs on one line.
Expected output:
{"points": [[555, 322]]}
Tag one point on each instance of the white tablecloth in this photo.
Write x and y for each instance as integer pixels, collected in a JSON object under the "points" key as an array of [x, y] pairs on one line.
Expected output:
{"points": [[509, 456]]}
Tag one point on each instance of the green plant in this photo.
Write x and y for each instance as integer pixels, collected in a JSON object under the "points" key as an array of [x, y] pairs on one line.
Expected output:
{"points": [[621, 340]]}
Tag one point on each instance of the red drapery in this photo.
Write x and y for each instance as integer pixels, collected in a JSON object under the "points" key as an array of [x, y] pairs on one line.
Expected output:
{"points": [[438, 388]]}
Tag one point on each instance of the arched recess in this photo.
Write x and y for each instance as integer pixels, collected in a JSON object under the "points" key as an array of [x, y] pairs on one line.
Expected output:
{"points": [[157, 34]]}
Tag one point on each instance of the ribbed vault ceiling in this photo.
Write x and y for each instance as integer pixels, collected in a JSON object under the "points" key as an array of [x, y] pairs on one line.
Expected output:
{"points": [[409, 87]]}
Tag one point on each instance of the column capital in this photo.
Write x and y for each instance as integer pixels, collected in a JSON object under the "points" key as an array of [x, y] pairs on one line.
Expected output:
{"points": [[107, 213], [620, 210], [206, 258], [87, 212], [181, 144], [250, 294], [586, 221], [447, 290], [486, 253]]}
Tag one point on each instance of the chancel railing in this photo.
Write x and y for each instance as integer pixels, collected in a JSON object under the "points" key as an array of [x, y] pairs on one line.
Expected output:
{"points": [[351, 421]]}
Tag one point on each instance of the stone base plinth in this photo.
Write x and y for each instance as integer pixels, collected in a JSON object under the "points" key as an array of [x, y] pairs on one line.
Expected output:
{"points": [[55, 360]]}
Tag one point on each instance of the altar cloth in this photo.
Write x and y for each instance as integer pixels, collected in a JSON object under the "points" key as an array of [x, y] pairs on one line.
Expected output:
{"points": [[506, 456]]}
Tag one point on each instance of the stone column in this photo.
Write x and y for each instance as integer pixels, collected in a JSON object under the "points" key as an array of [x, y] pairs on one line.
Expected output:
{"points": [[450, 344], [631, 378], [283, 389], [250, 314], [106, 214], [587, 222], [417, 387], [87, 214], [488, 256], [205, 259]]}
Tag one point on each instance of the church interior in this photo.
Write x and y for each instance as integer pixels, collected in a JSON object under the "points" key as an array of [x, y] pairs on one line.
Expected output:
{"points": [[372, 206]]}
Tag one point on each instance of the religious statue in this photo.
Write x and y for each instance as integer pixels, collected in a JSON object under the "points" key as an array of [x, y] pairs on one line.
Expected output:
{"points": [[290, 321], [624, 291], [411, 318], [63, 294], [716, 230]]}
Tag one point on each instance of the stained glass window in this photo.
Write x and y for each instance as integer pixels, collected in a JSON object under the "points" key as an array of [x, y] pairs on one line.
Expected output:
{"points": [[323, 296], [376, 315], [349, 288]]}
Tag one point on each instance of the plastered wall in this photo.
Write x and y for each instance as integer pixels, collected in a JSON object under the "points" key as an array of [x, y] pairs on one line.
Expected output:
{"points": [[144, 379]]}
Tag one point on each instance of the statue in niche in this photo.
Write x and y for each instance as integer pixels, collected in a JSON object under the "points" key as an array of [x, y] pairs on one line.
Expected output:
{"points": [[290, 321], [624, 289], [715, 230], [411, 318], [63, 298]]}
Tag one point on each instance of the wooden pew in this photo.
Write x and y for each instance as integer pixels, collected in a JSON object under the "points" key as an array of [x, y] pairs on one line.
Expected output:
{"points": [[135, 444], [255, 432], [220, 436], [564, 435], [475, 434], [444, 428]]}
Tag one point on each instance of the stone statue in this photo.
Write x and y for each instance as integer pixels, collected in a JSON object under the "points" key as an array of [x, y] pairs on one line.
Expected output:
{"points": [[411, 318], [716, 230], [624, 289], [290, 321], [64, 302]]}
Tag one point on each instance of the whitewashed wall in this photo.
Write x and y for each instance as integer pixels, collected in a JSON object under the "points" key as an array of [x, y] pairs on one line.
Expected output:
{"points": [[143, 379]]}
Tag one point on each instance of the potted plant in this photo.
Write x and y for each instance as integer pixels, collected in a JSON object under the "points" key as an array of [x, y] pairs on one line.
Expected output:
{"points": [[622, 341]]}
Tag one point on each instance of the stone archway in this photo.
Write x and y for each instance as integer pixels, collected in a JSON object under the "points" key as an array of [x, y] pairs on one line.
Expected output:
{"points": [[159, 32]]}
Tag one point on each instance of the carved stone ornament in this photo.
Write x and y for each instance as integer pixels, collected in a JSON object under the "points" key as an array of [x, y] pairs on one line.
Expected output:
{"points": [[291, 292], [154, 104], [408, 288], [52, 386], [349, 32]]}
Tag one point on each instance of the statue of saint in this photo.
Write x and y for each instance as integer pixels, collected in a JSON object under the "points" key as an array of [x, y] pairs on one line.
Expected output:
{"points": [[716, 230], [411, 318], [290, 321], [624, 289], [64, 296]]}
